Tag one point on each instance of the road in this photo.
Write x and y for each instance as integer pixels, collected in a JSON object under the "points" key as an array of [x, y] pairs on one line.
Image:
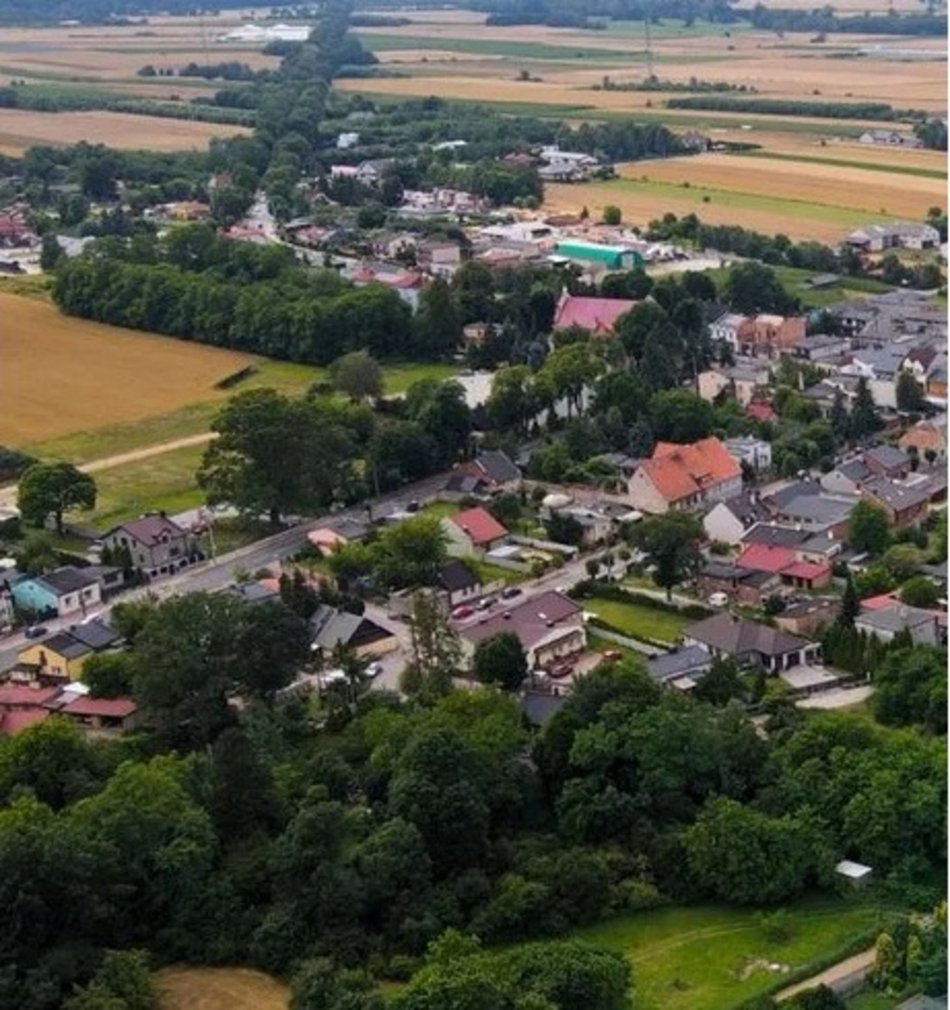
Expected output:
{"points": [[848, 974]]}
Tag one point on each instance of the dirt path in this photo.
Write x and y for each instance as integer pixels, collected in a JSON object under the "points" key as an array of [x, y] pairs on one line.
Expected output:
{"points": [[856, 965], [8, 493]]}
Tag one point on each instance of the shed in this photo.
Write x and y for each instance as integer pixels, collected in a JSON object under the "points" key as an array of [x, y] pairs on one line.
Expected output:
{"points": [[856, 874], [612, 256]]}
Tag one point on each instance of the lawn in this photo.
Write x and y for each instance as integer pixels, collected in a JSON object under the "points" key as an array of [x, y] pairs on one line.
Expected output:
{"points": [[637, 620], [794, 280], [873, 1001], [713, 957]]}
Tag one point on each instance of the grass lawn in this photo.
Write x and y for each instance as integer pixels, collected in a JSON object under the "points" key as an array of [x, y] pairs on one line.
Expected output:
{"points": [[873, 1001], [712, 957], [489, 573], [164, 482], [440, 509], [794, 279], [637, 620]]}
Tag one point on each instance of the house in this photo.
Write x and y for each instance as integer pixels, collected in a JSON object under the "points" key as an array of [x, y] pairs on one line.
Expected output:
{"points": [[684, 476], [406, 283], [596, 527], [901, 235], [473, 531], [681, 669], [847, 477], [494, 470], [935, 384], [808, 616], [24, 705], [256, 591], [889, 138], [886, 461], [743, 382], [808, 506], [905, 503], [726, 329], [338, 533], [347, 140], [881, 366], [727, 521], [762, 412], [371, 173], [331, 628], [549, 626], [458, 584], [926, 436], [598, 315], [745, 586], [767, 335], [823, 350], [65, 591], [776, 535], [755, 452], [63, 654], [886, 622], [749, 642], [786, 564], [102, 716], [155, 544]]}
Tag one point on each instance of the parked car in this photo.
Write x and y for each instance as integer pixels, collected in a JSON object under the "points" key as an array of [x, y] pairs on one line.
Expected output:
{"points": [[510, 592], [412, 506], [35, 631], [463, 611], [718, 600], [373, 670], [486, 602]]}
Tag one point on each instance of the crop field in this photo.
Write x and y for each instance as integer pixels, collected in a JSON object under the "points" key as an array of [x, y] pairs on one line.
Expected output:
{"points": [[21, 128], [62, 374], [220, 989]]}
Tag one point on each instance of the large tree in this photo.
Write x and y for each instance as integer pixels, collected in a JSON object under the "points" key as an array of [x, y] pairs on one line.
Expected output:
{"points": [[865, 417], [910, 688], [910, 395], [50, 489], [671, 543], [868, 528], [358, 375], [752, 287], [501, 660]]}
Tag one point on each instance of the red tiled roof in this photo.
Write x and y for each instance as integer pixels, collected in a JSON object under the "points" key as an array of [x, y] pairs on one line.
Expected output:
{"points": [[881, 602], [595, 314], [761, 412], [12, 723], [23, 696], [766, 558], [807, 570], [480, 526], [679, 471], [105, 708]]}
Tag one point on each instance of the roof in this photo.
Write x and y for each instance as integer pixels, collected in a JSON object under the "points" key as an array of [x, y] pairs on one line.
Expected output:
{"points": [[462, 483], [103, 708], [681, 471], [531, 620], [66, 580], [887, 457], [778, 499], [808, 606], [457, 575], [65, 645], [738, 637], [761, 412], [497, 467], [821, 509], [95, 633], [766, 558], [880, 602], [150, 529], [13, 695], [771, 533], [883, 361], [855, 470], [595, 314], [330, 627], [853, 870], [479, 525], [691, 659], [806, 570], [253, 592], [899, 496], [895, 618], [12, 723]]}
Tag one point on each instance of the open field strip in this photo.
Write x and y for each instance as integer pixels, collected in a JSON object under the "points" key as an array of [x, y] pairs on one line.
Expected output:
{"points": [[922, 173], [21, 128], [837, 187], [189, 988]]}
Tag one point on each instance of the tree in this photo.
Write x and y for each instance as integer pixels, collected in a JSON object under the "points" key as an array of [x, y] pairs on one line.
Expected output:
{"points": [[910, 396], [123, 982], [501, 660], [839, 418], [437, 324], [409, 553], [108, 674], [671, 543], [865, 418], [679, 416], [436, 650], [50, 489], [358, 375], [569, 370], [612, 215], [920, 591], [242, 799], [442, 413], [910, 688], [50, 253], [510, 402], [850, 604], [721, 684], [869, 528], [37, 553], [752, 287], [319, 985]]}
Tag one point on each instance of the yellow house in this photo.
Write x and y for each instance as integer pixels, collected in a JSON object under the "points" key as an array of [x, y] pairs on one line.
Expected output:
{"points": [[63, 654]]}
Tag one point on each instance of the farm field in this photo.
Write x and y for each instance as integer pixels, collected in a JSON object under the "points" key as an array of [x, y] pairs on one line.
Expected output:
{"points": [[830, 186], [220, 989], [713, 957], [23, 128], [638, 620]]}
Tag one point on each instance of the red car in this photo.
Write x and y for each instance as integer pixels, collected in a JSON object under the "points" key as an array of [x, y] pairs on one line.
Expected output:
{"points": [[463, 611]]}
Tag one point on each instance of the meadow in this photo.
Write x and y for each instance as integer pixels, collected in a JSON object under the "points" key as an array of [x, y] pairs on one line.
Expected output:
{"points": [[638, 620], [220, 989]]}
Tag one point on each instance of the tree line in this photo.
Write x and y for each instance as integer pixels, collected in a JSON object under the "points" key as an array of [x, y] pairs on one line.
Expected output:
{"points": [[789, 107]]}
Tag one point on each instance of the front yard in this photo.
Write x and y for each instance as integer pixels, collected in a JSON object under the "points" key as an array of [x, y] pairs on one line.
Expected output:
{"points": [[637, 620]]}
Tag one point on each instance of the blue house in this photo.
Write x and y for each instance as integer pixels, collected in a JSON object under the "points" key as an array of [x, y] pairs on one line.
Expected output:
{"points": [[66, 591]]}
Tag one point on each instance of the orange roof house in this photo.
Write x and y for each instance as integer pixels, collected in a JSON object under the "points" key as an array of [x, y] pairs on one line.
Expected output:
{"points": [[599, 315], [472, 531], [684, 477]]}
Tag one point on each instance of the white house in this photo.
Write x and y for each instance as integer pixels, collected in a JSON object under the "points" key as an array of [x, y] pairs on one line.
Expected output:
{"points": [[756, 452], [726, 328]]}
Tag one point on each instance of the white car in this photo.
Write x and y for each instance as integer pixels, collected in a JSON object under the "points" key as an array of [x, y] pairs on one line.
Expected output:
{"points": [[718, 600], [373, 670]]}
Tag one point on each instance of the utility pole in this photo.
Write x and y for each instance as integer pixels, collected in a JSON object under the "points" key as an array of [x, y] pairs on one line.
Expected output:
{"points": [[648, 36]]}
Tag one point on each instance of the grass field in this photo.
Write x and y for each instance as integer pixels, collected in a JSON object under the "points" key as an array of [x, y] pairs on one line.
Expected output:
{"points": [[21, 128], [638, 620], [220, 989], [714, 957]]}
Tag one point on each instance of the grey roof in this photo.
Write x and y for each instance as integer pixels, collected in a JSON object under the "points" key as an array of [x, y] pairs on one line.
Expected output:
{"points": [[775, 536], [821, 509], [67, 580], [938, 572], [779, 499], [151, 529], [821, 543], [887, 456], [457, 575], [855, 470], [738, 637], [899, 496], [498, 467], [330, 627], [96, 634], [746, 509], [885, 361], [691, 659], [539, 708], [463, 484], [924, 1003], [66, 645], [896, 618], [810, 605]]}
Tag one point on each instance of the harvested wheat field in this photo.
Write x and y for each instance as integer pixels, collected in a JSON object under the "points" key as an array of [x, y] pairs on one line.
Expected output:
{"points": [[59, 374], [21, 128], [220, 989], [837, 186], [640, 203]]}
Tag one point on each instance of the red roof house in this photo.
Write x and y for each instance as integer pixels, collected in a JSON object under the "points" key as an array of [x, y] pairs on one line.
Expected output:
{"points": [[784, 562], [684, 477], [599, 315], [760, 411], [472, 531]]}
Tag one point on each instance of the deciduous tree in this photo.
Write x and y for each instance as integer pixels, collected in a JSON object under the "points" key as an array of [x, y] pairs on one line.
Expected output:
{"points": [[51, 489]]}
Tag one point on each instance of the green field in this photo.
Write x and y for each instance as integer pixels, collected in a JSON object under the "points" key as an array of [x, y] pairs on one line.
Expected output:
{"points": [[873, 1001], [714, 957], [870, 166], [794, 280], [491, 47], [638, 620]]}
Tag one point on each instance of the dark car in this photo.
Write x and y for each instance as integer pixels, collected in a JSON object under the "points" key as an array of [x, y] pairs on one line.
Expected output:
{"points": [[413, 506], [510, 592], [35, 631]]}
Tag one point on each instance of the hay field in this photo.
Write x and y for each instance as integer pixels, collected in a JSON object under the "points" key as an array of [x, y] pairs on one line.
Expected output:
{"points": [[220, 989], [60, 374], [837, 186], [21, 128]]}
